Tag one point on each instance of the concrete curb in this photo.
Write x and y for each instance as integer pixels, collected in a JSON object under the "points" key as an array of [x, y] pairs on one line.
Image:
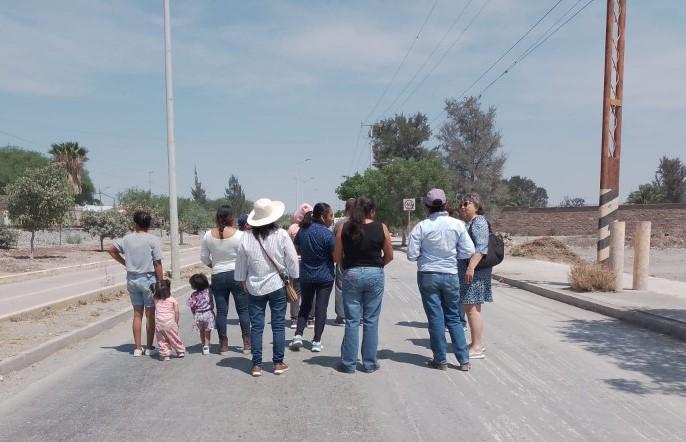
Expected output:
{"points": [[7, 279], [37, 354], [649, 321]]}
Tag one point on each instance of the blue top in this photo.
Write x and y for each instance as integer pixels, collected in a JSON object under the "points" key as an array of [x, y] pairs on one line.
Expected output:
{"points": [[480, 233], [316, 244], [437, 242]]}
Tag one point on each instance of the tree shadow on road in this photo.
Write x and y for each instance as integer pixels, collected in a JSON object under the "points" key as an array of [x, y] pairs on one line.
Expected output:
{"points": [[403, 358], [659, 358], [416, 324], [237, 363]]}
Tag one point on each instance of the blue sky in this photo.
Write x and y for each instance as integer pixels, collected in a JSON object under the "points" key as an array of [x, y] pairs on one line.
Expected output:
{"points": [[262, 85]]}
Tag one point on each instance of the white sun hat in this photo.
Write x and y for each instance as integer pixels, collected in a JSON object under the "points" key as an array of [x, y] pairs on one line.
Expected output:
{"points": [[266, 211]]}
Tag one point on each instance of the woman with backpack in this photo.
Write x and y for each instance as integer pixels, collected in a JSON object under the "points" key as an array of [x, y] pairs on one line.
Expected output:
{"points": [[475, 284]]}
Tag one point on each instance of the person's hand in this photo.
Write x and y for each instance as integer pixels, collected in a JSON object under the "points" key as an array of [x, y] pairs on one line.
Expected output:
{"points": [[469, 275]]}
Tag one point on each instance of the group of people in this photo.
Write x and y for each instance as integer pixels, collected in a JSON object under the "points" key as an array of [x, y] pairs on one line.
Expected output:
{"points": [[255, 260]]}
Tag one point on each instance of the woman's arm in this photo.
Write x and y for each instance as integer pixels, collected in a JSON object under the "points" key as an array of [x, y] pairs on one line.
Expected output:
{"points": [[338, 248], [480, 233], [205, 252], [387, 246], [176, 312], [290, 256]]}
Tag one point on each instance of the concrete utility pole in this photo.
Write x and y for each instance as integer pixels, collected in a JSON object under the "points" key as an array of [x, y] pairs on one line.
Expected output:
{"points": [[171, 147], [612, 123]]}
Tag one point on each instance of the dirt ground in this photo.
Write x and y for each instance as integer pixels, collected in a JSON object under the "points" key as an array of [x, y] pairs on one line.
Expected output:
{"points": [[669, 263], [22, 332], [50, 254]]}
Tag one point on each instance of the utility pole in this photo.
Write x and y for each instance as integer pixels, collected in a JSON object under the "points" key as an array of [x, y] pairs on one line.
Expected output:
{"points": [[371, 144], [611, 148], [171, 146]]}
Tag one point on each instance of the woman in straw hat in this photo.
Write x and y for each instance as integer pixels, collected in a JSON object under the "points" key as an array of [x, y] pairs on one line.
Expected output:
{"points": [[265, 254]]}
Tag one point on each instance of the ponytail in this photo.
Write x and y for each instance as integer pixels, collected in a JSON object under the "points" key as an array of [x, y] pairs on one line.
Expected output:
{"points": [[224, 218], [316, 215]]}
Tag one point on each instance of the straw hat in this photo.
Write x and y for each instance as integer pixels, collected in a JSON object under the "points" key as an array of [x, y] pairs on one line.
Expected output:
{"points": [[266, 211]]}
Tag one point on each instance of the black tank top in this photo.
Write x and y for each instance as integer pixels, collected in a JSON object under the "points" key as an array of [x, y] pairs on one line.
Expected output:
{"points": [[365, 251]]}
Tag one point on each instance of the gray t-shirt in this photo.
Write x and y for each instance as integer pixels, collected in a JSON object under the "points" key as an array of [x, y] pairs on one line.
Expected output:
{"points": [[140, 249]]}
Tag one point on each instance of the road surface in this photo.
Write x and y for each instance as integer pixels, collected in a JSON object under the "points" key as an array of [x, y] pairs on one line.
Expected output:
{"points": [[21, 295], [552, 372]]}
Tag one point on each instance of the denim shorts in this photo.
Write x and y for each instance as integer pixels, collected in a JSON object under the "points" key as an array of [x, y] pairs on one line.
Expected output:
{"points": [[138, 285]]}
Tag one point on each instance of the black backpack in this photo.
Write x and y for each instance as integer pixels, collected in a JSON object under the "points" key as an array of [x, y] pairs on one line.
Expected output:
{"points": [[496, 249]]}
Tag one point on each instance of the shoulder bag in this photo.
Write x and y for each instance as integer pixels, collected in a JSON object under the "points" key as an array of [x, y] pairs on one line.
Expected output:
{"points": [[496, 249], [291, 294]]}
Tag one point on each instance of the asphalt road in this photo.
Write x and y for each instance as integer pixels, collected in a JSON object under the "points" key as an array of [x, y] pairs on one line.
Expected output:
{"points": [[21, 295], [552, 372]]}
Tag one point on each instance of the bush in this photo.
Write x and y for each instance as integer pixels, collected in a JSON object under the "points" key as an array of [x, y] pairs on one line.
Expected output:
{"points": [[8, 237], [73, 239], [591, 277]]}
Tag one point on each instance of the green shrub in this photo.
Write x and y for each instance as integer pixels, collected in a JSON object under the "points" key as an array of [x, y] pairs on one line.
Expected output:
{"points": [[8, 237], [74, 239]]}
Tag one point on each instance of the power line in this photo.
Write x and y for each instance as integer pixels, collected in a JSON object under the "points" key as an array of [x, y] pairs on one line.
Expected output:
{"points": [[431, 54], [357, 148], [504, 54], [17, 137], [395, 74], [445, 54]]}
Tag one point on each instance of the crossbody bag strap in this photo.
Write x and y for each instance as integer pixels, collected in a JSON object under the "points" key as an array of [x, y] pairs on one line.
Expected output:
{"points": [[276, 266]]}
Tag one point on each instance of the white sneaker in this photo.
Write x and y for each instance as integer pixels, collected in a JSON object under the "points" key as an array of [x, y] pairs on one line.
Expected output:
{"points": [[297, 342], [152, 351], [138, 353], [317, 347], [206, 350]]}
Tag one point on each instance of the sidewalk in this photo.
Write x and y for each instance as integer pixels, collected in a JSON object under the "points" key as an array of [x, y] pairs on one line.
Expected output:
{"points": [[662, 308]]}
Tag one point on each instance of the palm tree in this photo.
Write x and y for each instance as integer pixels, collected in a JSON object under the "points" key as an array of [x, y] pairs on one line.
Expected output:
{"points": [[72, 157]]}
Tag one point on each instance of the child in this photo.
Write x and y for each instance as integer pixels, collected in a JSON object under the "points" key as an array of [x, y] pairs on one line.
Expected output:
{"points": [[202, 306], [167, 322]]}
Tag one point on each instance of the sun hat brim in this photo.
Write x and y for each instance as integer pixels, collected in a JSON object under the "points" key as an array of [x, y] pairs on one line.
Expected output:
{"points": [[278, 209]]}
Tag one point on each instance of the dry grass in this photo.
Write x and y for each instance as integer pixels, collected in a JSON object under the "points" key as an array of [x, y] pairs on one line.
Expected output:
{"points": [[547, 248], [591, 277]]}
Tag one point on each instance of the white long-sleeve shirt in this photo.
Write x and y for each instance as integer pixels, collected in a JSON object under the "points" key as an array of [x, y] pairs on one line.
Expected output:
{"points": [[220, 254], [437, 242], [256, 270]]}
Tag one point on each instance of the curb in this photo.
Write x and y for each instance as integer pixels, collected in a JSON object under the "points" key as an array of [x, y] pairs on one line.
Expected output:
{"points": [[37, 354], [7, 279], [643, 319]]}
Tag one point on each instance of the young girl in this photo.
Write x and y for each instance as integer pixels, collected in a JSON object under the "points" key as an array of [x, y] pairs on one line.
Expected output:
{"points": [[167, 322], [202, 306]]}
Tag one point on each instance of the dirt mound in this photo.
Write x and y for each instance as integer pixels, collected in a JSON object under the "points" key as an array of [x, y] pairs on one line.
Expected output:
{"points": [[546, 248]]}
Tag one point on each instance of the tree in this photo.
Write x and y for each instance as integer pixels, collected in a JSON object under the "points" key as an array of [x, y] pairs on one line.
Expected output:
{"points": [[197, 192], [72, 157], [105, 224], [40, 199], [572, 202], [646, 194], [15, 161], [472, 148], [670, 180], [87, 194], [523, 192], [157, 206], [400, 137], [193, 217], [234, 195], [399, 179]]}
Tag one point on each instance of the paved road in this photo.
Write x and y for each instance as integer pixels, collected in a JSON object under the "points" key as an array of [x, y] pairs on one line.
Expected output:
{"points": [[21, 295], [553, 372]]}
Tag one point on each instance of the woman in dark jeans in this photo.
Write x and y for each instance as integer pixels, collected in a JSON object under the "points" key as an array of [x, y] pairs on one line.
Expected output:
{"points": [[218, 251], [315, 243]]}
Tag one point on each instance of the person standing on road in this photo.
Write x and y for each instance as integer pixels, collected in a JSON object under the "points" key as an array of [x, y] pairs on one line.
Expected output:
{"points": [[363, 248], [265, 257], [436, 244], [475, 284], [141, 254], [167, 323], [218, 251], [338, 286], [292, 232], [315, 243]]}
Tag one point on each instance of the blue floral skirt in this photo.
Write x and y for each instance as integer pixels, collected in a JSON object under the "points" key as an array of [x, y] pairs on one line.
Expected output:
{"points": [[479, 291]]}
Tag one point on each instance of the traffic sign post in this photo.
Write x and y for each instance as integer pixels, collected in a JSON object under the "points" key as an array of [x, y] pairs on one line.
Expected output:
{"points": [[409, 207]]}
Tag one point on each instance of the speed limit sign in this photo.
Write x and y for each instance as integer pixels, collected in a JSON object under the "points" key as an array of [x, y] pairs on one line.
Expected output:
{"points": [[408, 204]]}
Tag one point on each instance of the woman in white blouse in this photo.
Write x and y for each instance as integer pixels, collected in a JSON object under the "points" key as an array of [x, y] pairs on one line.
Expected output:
{"points": [[266, 253], [218, 250]]}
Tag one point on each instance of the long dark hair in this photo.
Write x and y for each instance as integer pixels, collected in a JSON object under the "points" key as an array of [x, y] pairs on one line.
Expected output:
{"points": [[264, 231], [362, 209], [316, 215], [224, 218]]}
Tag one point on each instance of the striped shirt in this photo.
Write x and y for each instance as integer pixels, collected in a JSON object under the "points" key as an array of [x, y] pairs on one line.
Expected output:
{"points": [[256, 270]]}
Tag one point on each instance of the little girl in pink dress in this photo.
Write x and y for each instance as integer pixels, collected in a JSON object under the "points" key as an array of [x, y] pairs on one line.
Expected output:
{"points": [[202, 306], [167, 323]]}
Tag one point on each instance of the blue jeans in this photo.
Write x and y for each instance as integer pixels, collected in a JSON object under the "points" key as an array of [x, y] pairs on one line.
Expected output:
{"points": [[223, 285], [277, 307], [362, 295], [441, 299]]}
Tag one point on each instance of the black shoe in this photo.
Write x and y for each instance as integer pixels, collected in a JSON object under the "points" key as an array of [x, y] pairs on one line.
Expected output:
{"points": [[464, 367], [371, 370], [437, 365], [343, 369]]}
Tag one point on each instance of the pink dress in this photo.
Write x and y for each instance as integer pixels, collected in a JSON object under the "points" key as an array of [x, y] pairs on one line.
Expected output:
{"points": [[166, 328]]}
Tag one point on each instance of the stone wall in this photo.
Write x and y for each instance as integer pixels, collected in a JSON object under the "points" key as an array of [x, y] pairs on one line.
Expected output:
{"points": [[667, 220]]}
